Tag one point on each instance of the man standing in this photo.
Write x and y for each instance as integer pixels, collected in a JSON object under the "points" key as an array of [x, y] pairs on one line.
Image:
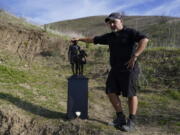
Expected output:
{"points": [[125, 46], [73, 57]]}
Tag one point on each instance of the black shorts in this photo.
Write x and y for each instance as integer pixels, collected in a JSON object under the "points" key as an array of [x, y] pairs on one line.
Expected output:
{"points": [[122, 82]]}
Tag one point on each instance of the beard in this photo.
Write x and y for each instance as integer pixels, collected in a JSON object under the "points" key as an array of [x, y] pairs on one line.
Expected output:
{"points": [[114, 30]]}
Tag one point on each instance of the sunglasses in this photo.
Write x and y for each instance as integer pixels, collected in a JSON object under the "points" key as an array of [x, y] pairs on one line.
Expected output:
{"points": [[111, 21]]}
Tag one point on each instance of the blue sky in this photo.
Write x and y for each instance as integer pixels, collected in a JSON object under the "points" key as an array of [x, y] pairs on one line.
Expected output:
{"points": [[46, 11]]}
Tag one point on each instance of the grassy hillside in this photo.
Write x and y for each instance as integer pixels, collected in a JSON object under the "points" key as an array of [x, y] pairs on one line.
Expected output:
{"points": [[10, 19], [33, 87], [86, 26], [162, 30], [40, 94]]}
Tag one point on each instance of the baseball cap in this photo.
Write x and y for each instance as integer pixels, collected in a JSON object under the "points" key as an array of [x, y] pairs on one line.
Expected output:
{"points": [[113, 16]]}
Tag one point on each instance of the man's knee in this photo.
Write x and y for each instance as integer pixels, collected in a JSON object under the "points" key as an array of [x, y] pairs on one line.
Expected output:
{"points": [[111, 94], [132, 98]]}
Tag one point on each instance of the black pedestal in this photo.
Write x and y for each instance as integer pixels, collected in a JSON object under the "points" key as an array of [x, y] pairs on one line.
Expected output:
{"points": [[77, 97]]}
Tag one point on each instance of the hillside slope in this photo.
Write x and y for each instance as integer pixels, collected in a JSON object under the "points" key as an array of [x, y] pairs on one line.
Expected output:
{"points": [[162, 30]]}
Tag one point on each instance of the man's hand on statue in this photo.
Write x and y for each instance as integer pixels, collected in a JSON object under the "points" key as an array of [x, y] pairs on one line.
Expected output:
{"points": [[131, 62], [74, 39]]}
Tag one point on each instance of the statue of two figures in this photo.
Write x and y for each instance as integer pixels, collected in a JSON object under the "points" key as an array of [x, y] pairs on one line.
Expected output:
{"points": [[77, 58]]}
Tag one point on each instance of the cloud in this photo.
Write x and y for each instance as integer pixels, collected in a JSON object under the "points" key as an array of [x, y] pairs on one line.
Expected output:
{"points": [[126, 5], [68, 9], [46, 11], [170, 8]]}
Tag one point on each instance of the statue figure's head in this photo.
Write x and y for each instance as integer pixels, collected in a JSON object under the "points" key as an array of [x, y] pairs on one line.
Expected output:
{"points": [[74, 42]]}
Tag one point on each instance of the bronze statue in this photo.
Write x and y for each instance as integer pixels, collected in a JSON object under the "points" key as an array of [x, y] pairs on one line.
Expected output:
{"points": [[77, 58], [73, 56], [81, 61]]}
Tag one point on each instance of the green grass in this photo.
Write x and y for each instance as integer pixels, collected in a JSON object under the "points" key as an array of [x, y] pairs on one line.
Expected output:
{"points": [[10, 75], [173, 94], [160, 66], [41, 89]]}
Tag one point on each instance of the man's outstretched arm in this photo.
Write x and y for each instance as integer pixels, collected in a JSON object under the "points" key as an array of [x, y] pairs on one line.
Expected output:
{"points": [[86, 40]]}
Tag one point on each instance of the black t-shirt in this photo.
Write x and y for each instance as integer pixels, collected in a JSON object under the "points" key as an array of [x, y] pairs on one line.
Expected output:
{"points": [[122, 45]]}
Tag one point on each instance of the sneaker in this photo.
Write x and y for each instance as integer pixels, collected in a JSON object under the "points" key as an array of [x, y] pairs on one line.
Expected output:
{"points": [[130, 126], [118, 122]]}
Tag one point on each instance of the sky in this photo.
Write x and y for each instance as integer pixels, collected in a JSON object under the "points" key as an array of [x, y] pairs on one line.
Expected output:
{"points": [[47, 11]]}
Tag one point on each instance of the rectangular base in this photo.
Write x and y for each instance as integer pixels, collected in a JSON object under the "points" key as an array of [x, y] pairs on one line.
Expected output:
{"points": [[77, 97]]}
